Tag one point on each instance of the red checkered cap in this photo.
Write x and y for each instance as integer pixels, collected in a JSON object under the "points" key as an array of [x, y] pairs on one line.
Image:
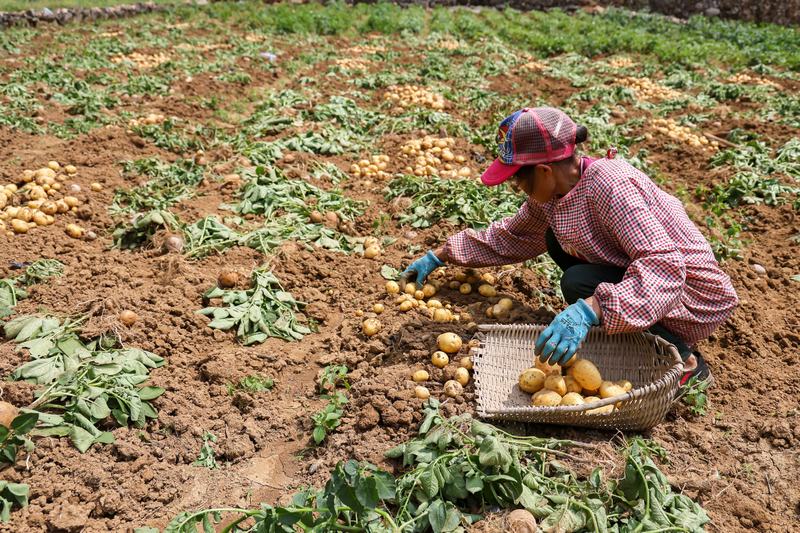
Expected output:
{"points": [[531, 136]]}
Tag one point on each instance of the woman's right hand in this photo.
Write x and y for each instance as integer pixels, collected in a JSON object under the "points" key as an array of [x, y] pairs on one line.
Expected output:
{"points": [[420, 269]]}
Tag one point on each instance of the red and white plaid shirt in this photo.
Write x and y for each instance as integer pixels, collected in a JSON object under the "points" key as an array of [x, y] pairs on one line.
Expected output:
{"points": [[615, 215]]}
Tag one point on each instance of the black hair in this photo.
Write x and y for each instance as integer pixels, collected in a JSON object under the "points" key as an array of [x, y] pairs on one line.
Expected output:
{"points": [[581, 134]]}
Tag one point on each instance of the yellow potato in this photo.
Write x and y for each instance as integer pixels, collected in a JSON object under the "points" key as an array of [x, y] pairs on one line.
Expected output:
{"points": [[371, 326], [392, 287], [465, 362], [419, 295], [372, 252], [586, 374], [435, 304], [572, 385], [449, 342], [442, 315], [439, 359], [428, 290], [626, 385], [611, 390], [420, 376], [453, 388], [572, 398], [555, 383], [546, 367], [378, 308], [465, 288], [546, 398], [410, 288], [532, 380], [462, 376], [487, 290], [422, 392], [506, 303], [406, 305]]}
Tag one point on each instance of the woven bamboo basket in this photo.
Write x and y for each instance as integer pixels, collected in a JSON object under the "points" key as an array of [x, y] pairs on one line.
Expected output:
{"points": [[650, 363]]}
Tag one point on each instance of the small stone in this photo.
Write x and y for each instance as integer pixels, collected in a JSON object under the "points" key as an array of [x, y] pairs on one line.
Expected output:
{"points": [[758, 269]]}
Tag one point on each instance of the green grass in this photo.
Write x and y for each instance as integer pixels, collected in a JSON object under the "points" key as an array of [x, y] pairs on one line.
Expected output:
{"points": [[21, 5]]}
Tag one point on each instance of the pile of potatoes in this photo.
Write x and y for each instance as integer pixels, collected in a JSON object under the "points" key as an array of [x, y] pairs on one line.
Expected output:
{"points": [[580, 383], [447, 345], [648, 90], [375, 167], [142, 61], [684, 134], [433, 156], [620, 62], [743, 78], [349, 63], [149, 120], [403, 96], [39, 198]]}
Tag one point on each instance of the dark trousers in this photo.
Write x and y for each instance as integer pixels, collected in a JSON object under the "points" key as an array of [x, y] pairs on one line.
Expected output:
{"points": [[580, 279]]}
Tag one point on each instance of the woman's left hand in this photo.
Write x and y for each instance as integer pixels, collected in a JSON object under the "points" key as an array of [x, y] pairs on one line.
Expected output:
{"points": [[561, 339]]}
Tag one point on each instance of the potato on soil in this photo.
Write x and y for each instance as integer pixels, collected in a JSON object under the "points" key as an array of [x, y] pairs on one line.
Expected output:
{"points": [[428, 290], [555, 383], [410, 288], [392, 287], [420, 375], [487, 290], [520, 521], [449, 342], [128, 317], [439, 359], [228, 279], [462, 376], [453, 389], [572, 398], [441, 315], [372, 252], [465, 362], [586, 374], [371, 326], [406, 305], [422, 392], [546, 398], [531, 380], [378, 308], [465, 288], [74, 231], [8, 412]]}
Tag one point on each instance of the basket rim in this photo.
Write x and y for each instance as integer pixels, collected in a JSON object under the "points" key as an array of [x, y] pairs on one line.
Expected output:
{"points": [[672, 372]]}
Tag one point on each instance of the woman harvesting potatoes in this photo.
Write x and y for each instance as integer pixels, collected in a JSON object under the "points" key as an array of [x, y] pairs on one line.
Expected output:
{"points": [[632, 259]]}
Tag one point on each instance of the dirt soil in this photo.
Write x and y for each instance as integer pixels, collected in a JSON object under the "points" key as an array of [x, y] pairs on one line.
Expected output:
{"points": [[740, 461]]}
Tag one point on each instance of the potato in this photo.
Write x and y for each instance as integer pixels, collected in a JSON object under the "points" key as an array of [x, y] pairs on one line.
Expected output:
{"points": [[372, 252], [392, 287], [371, 326], [488, 278], [531, 380], [546, 398], [227, 279], [490, 312], [428, 290], [506, 303], [465, 288], [462, 376], [590, 399], [453, 389], [62, 206], [316, 217], [439, 359], [71, 201], [572, 398], [454, 285], [419, 295], [435, 304], [25, 214], [520, 521], [460, 277], [49, 207], [555, 383], [604, 410], [500, 312], [71, 169], [610, 390], [53, 165], [420, 375], [449, 342], [410, 288], [572, 385], [8, 412], [378, 308], [465, 362], [586, 374], [487, 290], [442, 315], [370, 241], [128, 317], [40, 218], [626, 385], [406, 305], [422, 392], [547, 368], [572, 360], [19, 226]]}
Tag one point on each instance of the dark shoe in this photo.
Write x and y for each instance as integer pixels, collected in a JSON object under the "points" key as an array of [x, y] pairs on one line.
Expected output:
{"points": [[701, 372]]}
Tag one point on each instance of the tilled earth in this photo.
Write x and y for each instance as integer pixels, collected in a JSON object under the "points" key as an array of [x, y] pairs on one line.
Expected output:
{"points": [[739, 461]]}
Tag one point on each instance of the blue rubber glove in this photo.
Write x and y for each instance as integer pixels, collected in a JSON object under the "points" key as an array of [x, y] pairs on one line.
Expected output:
{"points": [[561, 339], [421, 268]]}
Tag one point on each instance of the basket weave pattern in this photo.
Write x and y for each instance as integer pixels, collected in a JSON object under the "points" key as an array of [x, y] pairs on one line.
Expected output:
{"points": [[649, 362]]}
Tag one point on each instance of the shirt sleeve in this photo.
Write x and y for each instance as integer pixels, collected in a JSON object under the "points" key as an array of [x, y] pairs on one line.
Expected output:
{"points": [[511, 240], [654, 280]]}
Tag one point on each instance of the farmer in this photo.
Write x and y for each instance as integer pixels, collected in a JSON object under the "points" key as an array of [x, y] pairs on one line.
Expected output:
{"points": [[632, 259]]}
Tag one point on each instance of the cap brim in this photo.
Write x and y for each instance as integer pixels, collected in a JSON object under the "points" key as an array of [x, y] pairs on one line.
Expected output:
{"points": [[498, 172]]}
